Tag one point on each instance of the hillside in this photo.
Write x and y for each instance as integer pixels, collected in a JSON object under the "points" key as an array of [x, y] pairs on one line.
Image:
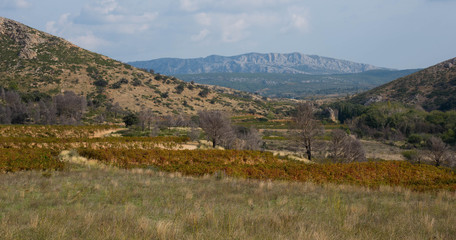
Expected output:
{"points": [[295, 63], [282, 85], [34, 61], [433, 88]]}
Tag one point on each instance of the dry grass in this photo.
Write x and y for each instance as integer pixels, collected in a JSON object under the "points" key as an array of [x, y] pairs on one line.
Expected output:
{"points": [[96, 203]]}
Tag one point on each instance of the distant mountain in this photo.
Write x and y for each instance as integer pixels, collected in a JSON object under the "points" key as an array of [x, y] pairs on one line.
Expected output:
{"points": [[34, 62], [292, 63], [433, 88]]}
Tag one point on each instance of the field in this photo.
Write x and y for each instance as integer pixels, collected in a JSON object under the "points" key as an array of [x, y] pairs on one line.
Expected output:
{"points": [[149, 187], [111, 203]]}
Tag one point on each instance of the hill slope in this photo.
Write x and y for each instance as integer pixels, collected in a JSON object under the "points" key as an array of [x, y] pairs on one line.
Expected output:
{"points": [[432, 88], [255, 63], [31, 60]]}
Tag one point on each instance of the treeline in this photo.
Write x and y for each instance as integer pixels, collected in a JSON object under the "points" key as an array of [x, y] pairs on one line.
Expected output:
{"points": [[66, 108], [394, 121]]}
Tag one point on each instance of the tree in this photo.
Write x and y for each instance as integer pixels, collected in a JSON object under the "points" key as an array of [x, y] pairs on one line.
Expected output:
{"points": [[438, 150], [249, 138], [216, 125], [345, 148], [146, 119], [70, 107], [305, 127]]}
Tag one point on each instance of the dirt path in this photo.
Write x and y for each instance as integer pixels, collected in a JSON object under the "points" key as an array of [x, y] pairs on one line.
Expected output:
{"points": [[104, 133]]}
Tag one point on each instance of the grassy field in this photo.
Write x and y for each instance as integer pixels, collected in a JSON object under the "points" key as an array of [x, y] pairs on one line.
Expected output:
{"points": [[110, 203], [147, 188]]}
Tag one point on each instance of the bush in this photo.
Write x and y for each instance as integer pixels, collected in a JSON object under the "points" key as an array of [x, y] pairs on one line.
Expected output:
{"points": [[204, 93], [100, 83], [136, 82], [180, 88], [130, 120], [415, 139]]}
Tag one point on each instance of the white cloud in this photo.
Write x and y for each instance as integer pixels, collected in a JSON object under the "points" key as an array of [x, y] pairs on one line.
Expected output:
{"points": [[200, 36], [110, 12], [14, 4], [22, 3], [89, 41], [234, 30], [203, 19], [54, 27], [189, 5], [300, 22]]}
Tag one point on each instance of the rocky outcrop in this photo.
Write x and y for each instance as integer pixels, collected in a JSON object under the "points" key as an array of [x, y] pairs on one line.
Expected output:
{"points": [[22, 35], [295, 63]]}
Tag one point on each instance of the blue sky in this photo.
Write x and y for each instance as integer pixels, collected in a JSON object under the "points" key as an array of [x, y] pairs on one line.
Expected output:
{"points": [[388, 33]]}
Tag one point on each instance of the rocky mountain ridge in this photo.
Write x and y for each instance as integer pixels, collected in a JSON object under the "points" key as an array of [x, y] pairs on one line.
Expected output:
{"points": [[291, 63]]}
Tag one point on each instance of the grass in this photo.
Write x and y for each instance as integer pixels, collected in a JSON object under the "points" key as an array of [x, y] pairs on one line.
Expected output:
{"points": [[109, 203]]}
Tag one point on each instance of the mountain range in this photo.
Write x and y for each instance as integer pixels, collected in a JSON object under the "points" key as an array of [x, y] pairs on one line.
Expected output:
{"points": [[291, 63]]}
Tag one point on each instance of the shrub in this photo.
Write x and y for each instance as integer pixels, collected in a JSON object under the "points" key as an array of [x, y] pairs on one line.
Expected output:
{"points": [[131, 119]]}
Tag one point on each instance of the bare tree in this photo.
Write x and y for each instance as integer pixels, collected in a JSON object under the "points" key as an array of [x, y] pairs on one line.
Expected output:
{"points": [[116, 109], [353, 150], [146, 119], [17, 109], [345, 148], [305, 127], [216, 125], [336, 147], [438, 150], [70, 107], [249, 138]]}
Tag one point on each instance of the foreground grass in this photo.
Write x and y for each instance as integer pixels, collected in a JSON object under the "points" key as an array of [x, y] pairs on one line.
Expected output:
{"points": [[83, 203]]}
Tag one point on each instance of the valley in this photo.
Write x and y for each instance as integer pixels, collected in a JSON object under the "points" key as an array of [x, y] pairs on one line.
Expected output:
{"points": [[271, 146]]}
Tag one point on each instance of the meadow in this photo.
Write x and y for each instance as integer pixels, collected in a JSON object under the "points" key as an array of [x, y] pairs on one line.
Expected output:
{"points": [[111, 203], [83, 185]]}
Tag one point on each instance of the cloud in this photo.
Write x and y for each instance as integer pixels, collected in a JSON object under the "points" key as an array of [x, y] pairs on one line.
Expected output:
{"points": [[189, 5], [55, 27], [110, 12], [89, 41], [203, 19], [104, 19], [200, 36], [14, 4]]}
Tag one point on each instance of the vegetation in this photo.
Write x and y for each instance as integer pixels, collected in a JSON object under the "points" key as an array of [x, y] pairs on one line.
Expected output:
{"points": [[298, 85], [392, 120], [12, 160], [433, 88], [258, 165], [94, 203]]}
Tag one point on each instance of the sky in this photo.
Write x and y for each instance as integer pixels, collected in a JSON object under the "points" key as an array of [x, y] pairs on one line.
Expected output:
{"points": [[398, 34]]}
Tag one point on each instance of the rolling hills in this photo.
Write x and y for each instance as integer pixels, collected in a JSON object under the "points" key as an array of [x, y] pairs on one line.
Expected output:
{"points": [[433, 88], [282, 85], [32, 61]]}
